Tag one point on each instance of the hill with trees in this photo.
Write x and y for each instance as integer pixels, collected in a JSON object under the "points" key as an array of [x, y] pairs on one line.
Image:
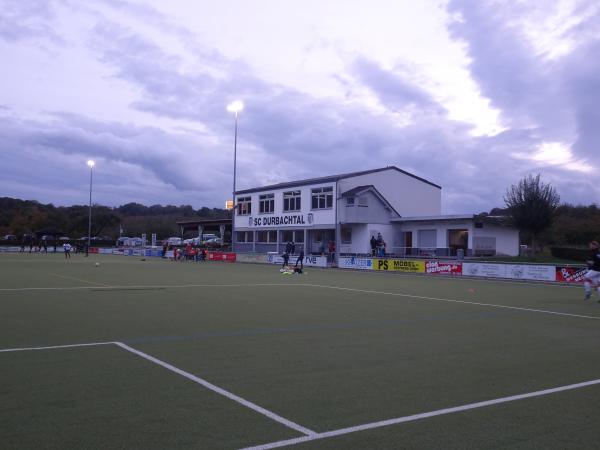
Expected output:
{"points": [[19, 217]]}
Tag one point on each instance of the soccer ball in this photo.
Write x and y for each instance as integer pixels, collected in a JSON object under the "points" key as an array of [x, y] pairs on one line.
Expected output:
{"points": [[97, 264]]}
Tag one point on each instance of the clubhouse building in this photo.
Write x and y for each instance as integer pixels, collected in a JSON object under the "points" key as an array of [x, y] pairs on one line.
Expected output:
{"points": [[343, 211]]}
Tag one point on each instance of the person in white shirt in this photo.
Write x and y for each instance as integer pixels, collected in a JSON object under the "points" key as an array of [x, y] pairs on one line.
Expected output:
{"points": [[67, 249]]}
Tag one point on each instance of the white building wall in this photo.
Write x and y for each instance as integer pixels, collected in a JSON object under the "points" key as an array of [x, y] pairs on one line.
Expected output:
{"points": [[408, 195], [507, 239], [320, 216]]}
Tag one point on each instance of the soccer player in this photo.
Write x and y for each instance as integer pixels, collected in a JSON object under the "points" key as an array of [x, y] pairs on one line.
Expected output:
{"points": [[592, 276], [67, 250]]}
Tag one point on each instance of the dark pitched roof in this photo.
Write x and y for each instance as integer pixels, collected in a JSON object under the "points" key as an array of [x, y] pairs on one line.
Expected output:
{"points": [[331, 178]]}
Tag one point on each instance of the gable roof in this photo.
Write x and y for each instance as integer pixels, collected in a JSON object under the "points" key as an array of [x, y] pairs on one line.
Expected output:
{"points": [[331, 178], [360, 189]]}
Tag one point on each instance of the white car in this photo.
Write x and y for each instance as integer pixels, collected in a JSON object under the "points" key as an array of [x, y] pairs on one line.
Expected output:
{"points": [[174, 241]]}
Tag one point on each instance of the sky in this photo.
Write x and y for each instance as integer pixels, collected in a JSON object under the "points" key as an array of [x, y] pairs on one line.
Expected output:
{"points": [[472, 95]]}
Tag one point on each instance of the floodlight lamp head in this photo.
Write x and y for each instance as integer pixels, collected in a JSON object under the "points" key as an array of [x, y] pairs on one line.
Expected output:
{"points": [[235, 107], [91, 163]]}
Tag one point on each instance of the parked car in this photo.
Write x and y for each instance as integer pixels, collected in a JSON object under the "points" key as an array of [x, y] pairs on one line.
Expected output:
{"points": [[174, 240], [64, 238], [214, 242], [10, 237]]}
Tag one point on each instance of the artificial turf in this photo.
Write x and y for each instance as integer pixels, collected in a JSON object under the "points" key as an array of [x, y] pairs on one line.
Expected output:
{"points": [[327, 350]]}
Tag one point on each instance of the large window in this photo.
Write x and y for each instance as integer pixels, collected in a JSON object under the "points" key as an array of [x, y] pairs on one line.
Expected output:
{"points": [[322, 198], [245, 236], [244, 206], [267, 236], [296, 236], [291, 201], [266, 203]]}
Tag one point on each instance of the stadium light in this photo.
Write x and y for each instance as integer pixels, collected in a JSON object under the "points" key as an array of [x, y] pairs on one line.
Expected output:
{"points": [[91, 164], [235, 107]]}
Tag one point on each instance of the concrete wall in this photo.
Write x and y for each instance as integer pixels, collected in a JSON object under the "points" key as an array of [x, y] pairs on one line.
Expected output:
{"points": [[409, 196]]}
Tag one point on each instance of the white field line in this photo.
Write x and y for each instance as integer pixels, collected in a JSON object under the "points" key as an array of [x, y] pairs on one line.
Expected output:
{"points": [[439, 412], [271, 415], [144, 286], [52, 347], [450, 300]]}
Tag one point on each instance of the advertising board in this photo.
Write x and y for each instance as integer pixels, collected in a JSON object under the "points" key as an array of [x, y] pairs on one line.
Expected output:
{"points": [[484, 270], [310, 260], [443, 267], [530, 272], [355, 263], [566, 274], [399, 265]]}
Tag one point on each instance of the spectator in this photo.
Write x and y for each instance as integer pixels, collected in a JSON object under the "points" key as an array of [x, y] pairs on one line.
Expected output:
{"points": [[373, 243]]}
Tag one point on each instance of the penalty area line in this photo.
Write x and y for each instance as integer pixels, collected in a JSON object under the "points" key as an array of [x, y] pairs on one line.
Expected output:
{"points": [[144, 286], [426, 415], [248, 404]]}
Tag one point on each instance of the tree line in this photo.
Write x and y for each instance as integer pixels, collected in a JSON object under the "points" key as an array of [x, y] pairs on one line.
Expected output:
{"points": [[19, 217]]}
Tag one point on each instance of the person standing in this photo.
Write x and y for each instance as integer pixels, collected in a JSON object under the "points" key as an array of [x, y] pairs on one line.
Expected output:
{"points": [[286, 260], [67, 250], [592, 276], [300, 258], [373, 243]]}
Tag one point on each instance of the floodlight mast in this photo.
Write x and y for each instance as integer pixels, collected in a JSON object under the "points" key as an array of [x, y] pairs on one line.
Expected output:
{"points": [[235, 107], [91, 164]]}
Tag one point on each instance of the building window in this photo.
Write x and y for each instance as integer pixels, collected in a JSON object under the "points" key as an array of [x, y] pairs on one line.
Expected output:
{"points": [[267, 236], [245, 236], [322, 198], [287, 235], [291, 201], [363, 201], [350, 201], [346, 235], [244, 206], [266, 203]]}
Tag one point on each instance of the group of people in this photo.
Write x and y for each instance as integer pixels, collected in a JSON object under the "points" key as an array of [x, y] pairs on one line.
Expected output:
{"points": [[378, 246], [290, 249], [188, 253]]}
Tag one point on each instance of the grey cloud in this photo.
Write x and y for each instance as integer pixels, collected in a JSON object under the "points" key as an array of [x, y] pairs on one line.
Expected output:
{"points": [[31, 19]]}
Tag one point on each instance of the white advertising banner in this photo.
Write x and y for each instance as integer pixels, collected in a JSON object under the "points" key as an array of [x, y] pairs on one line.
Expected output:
{"points": [[355, 263], [314, 261], [484, 270], [530, 272]]}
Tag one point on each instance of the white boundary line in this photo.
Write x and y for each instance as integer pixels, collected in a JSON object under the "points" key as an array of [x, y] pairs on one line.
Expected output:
{"points": [[439, 412], [52, 347], [144, 286], [450, 300], [248, 404], [218, 390]]}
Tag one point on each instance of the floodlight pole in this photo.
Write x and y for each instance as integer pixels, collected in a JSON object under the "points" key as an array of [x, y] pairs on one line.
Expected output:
{"points": [[234, 107], [89, 237]]}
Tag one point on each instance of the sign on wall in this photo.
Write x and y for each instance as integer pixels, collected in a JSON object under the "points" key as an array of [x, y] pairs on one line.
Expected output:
{"points": [[310, 260], [399, 265], [355, 263], [570, 274], [288, 220], [443, 267]]}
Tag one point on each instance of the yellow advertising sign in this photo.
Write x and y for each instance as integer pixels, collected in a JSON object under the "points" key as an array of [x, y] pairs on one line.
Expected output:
{"points": [[399, 265]]}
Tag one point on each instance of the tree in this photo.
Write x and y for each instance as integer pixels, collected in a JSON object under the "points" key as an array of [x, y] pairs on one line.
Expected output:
{"points": [[532, 205]]}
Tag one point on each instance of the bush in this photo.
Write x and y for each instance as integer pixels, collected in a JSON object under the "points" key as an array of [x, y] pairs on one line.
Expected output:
{"points": [[574, 253]]}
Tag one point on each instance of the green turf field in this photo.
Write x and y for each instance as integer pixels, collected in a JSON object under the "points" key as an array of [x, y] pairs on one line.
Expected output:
{"points": [[230, 356]]}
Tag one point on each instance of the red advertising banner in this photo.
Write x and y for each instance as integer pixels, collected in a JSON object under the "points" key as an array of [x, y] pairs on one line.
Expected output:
{"points": [[570, 274], [451, 268], [221, 256]]}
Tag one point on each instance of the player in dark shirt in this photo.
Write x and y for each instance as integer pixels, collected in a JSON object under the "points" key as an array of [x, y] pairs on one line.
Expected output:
{"points": [[286, 259], [592, 276]]}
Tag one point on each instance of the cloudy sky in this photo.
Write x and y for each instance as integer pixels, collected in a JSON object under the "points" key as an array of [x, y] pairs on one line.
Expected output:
{"points": [[469, 94]]}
